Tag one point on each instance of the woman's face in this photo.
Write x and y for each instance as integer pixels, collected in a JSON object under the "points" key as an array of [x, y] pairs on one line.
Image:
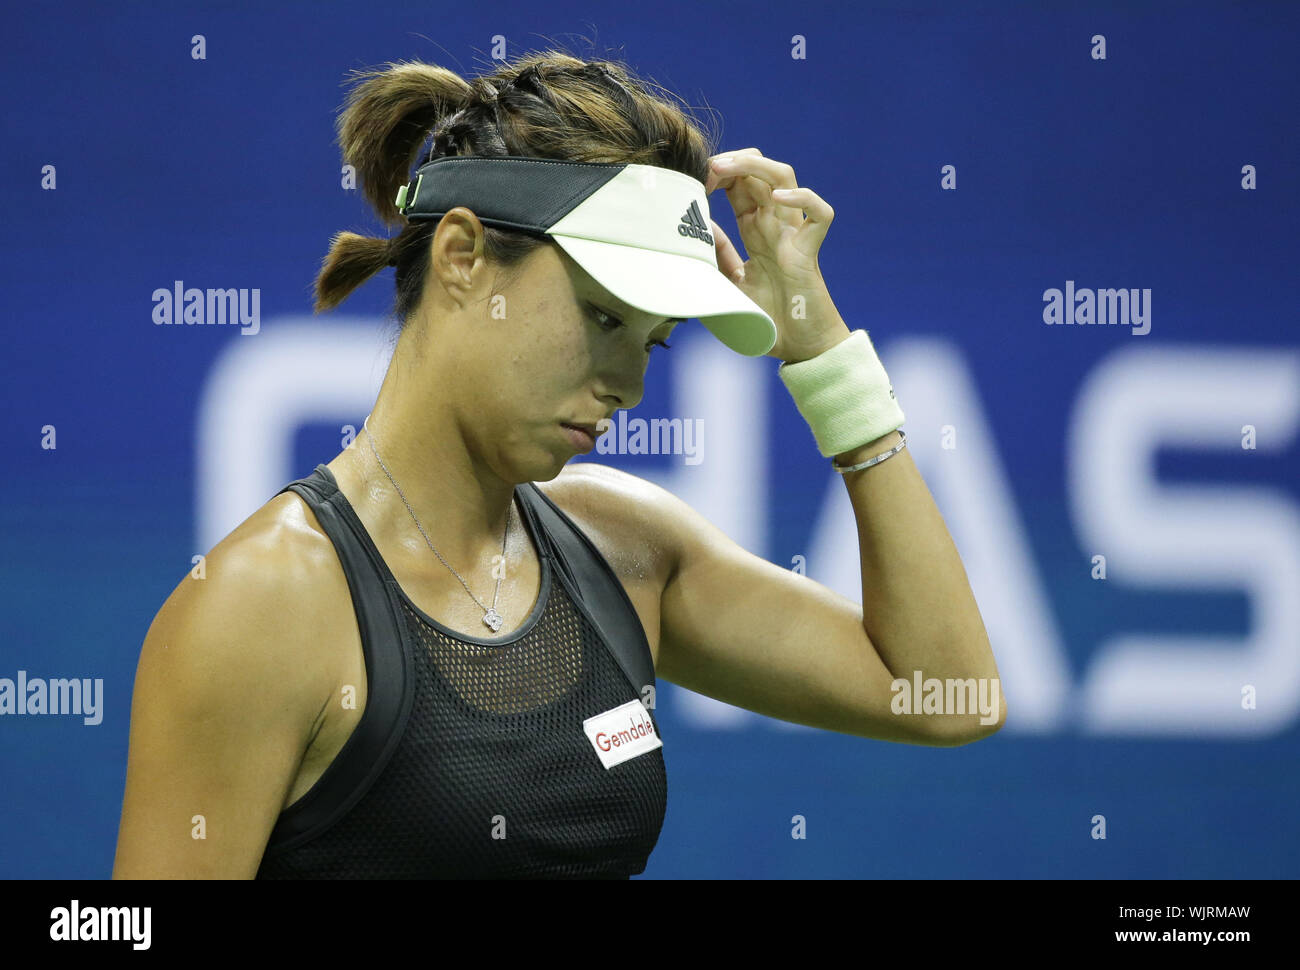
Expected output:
{"points": [[543, 350]]}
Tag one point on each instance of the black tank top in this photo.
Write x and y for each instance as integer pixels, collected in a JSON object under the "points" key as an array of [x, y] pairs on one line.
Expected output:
{"points": [[471, 758]]}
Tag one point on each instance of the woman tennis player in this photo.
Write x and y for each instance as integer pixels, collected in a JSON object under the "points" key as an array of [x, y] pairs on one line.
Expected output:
{"points": [[435, 656]]}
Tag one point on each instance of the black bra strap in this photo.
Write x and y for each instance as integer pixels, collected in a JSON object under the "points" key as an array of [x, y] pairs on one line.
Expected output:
{"points": [[389, 692], [592, 583]]}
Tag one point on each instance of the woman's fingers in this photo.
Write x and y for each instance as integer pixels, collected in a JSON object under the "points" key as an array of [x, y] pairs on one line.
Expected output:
{"points": [[717, 178], [729, 261], [749, 178], [754, 182], [813, 212]]}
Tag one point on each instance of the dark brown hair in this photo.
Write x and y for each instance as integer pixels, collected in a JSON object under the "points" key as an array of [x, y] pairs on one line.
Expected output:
{"points": [[547, 105]]}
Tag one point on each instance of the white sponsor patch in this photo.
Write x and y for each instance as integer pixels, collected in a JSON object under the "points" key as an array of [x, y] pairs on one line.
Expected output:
{"points": [[622, 733]]}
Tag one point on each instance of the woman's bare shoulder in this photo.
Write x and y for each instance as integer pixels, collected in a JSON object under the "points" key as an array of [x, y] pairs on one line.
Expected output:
{"points": [[276, 577], [627, 517]]}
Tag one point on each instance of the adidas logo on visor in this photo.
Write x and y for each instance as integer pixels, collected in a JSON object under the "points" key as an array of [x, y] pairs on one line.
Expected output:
{"points": [[692, 224]]}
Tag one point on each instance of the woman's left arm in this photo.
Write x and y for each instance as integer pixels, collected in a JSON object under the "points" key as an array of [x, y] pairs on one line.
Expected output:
{"points": [[737, 627]]}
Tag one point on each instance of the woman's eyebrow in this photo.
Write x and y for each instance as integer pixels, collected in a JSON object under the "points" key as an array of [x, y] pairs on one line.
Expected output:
{"points": [[624, 311]]}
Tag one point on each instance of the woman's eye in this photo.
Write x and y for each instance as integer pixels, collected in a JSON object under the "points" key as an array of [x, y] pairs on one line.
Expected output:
{"points": [[602, 317], [609, 322]]}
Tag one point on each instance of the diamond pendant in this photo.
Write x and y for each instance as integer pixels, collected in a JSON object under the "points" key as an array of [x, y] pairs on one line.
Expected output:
{"points": [[493, 619]]}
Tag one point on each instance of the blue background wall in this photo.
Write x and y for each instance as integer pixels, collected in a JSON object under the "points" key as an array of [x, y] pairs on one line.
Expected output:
{"points": [[1045, 446]]}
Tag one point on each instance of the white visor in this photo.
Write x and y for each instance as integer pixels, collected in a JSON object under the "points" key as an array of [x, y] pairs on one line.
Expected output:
{"points": [[640, 231]]}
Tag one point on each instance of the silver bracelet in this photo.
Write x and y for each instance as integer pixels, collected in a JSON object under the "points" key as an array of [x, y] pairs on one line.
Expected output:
{"points": [[873, 461]]}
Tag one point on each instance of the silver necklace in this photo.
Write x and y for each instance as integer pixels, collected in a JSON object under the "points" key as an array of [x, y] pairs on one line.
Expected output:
{"points": [[490, 615]]}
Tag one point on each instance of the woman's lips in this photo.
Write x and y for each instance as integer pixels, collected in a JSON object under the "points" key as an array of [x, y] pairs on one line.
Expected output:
{"points": [[582, 440]]}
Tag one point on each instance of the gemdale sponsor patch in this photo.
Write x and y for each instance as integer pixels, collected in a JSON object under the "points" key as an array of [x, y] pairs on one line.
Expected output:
{"points": [[622, 733]]}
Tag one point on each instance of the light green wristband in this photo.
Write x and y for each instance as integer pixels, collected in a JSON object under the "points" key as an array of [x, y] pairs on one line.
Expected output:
{"points": [[844, 394]]}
